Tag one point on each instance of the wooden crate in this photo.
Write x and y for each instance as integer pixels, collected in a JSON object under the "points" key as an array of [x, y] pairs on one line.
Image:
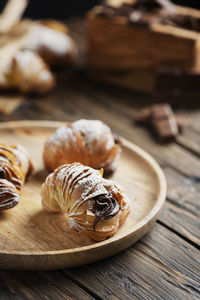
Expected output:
{"points": [[129, 55]]}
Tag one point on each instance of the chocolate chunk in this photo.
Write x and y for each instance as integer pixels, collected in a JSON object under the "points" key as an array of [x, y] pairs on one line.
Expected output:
{"points": [[162, 120], [156, 110], [161, 111], [166, 129]]}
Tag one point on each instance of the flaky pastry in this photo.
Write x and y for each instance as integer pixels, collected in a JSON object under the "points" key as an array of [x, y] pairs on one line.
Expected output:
{"points": [[28, 72], [95, 207], [89, 142], [15, 166], [50, 40]]}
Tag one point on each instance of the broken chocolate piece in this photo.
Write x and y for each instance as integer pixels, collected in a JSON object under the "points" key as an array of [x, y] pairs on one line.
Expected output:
{"points": [[161, 111], [162, 121]]}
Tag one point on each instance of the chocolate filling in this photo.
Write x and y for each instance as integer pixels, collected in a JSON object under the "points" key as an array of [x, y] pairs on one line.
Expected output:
{"points": [[117, 140], [105, 207], [2, 173], [8, 198], [6, 172]]}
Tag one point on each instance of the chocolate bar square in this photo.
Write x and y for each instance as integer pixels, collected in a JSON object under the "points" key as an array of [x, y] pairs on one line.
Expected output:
{"points": [[165, 127]]}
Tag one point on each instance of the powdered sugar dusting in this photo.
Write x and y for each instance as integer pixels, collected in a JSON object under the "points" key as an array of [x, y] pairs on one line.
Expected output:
{"points": [[73, 188], [94, 131]]}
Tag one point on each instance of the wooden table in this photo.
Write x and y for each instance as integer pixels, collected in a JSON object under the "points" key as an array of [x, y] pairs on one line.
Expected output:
{"points": [[165, 264]]}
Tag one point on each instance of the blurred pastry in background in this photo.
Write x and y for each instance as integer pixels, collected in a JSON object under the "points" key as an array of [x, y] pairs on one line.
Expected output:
{"points": [[27, 72], [51, 41], [15, 167], [29, 48], [89, 142]]}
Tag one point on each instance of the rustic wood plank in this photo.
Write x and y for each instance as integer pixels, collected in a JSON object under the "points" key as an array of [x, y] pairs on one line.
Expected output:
{"points": [[9, 105], [39, 285], [183, 191], [161, 266], [190, 139], [182, 210]]}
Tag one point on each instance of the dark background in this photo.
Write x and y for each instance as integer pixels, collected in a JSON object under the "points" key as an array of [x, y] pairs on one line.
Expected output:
{"points": [[62, 9]]}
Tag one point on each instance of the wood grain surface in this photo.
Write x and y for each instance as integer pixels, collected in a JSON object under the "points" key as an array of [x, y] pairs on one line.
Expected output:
{"points": [[27, 285], [146, 271], [165, 264], [32, 239]]}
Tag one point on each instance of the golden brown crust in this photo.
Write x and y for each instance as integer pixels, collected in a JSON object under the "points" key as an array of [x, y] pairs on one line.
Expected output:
{"points": [[15, 166], [89, 142], [95, 207], [28, 72], [49, 39]]}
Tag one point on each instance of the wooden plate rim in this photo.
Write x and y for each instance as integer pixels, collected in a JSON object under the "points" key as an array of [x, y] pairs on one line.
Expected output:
{"points": [[151, 216]]}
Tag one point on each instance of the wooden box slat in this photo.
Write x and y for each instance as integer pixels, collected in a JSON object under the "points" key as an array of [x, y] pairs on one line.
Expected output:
{"points": [[116, 48]]}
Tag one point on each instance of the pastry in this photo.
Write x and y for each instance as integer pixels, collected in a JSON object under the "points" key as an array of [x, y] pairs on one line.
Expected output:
{"points": [[89, 142], [27, 72], [49, 39], [15, 166], [95, 207], [55, 25]]}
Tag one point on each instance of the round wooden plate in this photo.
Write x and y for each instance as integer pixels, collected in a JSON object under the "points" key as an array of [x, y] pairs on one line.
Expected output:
{"points": [[32, 239]]}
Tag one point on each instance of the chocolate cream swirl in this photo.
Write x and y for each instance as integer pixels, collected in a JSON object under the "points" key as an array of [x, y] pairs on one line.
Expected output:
{"points": [[105, 207]]}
